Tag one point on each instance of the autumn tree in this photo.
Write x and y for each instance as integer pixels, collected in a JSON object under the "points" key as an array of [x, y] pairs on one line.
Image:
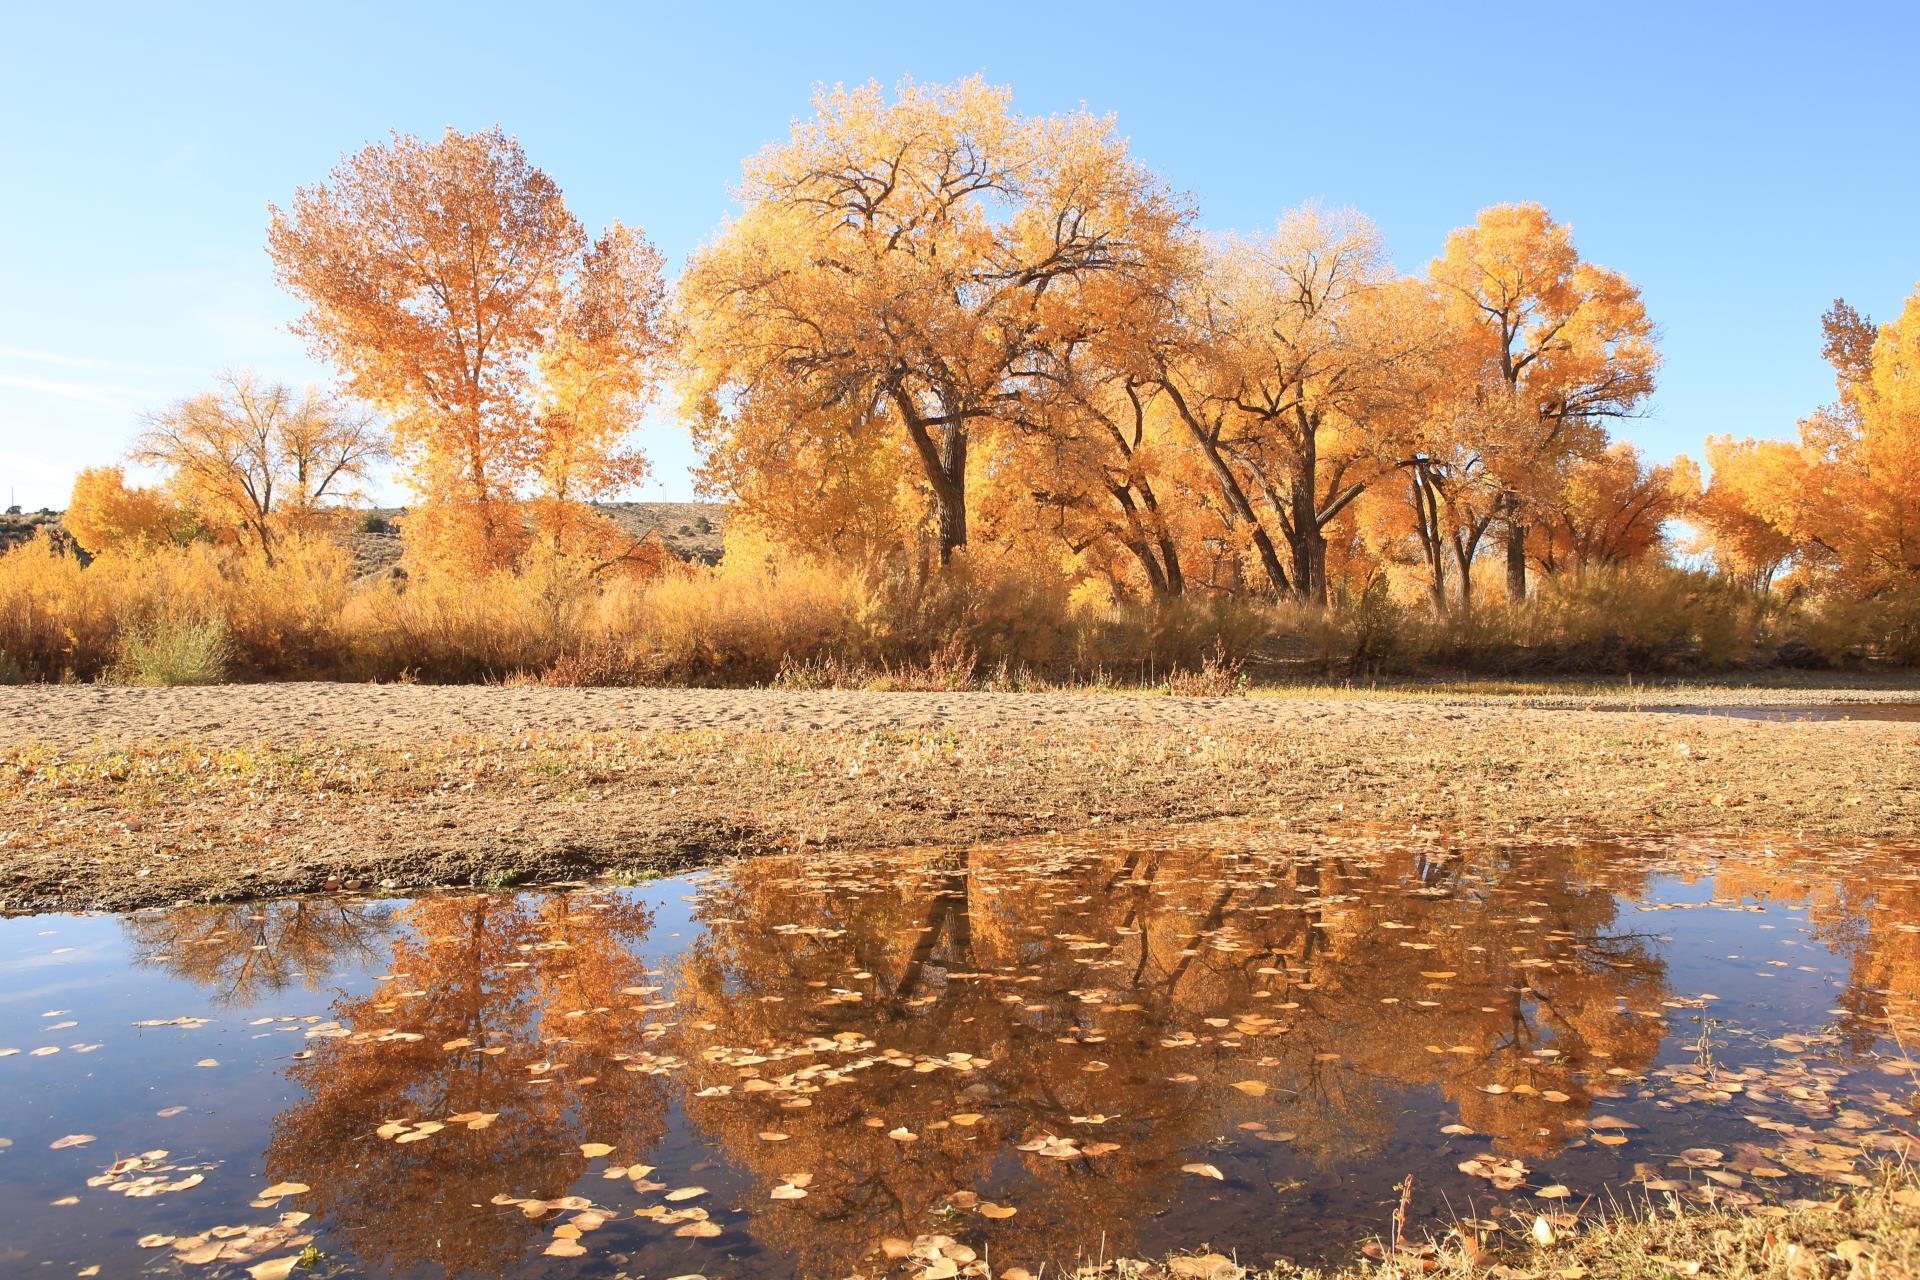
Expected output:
{"points": [[1320, 339], [898, 264], [1726, 506], [1843, 502], [1611, 509], [1090, 458], [105, 514], [1857, 507], [455, 292], [1548, 348], [258, 460]]}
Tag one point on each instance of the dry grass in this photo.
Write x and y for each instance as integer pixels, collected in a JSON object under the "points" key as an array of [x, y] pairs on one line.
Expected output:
{"points": [[805, 623], [1870, 1234], [133, 797]]}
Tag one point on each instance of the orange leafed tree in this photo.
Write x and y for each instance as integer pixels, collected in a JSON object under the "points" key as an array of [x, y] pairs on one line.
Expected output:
{"points": [[1548, 347], [104, 514], [898, 264], [1844, 501], [255, 461], [1612, 508], [454, 291], [1322, 344], [1728, 511]]}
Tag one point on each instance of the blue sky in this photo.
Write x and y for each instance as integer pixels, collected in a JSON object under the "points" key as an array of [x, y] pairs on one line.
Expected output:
{"points": [[1744, 163]]}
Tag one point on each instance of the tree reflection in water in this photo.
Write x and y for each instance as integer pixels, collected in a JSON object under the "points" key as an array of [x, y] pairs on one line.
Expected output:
{"points": [[1055, 1026]]}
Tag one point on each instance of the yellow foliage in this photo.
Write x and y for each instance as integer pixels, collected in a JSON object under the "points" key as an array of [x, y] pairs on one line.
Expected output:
{"points": [[105, 515], [413, 250], [255, 462]]}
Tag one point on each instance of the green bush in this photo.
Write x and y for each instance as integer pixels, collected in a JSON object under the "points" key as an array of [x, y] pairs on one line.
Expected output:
{"points": [[173, 652]]}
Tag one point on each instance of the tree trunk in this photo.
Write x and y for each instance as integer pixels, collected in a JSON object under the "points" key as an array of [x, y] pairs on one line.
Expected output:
{"points": [[1309, 544], [1463, 557], [1169, 552], [1232, 491], [1426, 522], [952, 497], [1516, 559]]}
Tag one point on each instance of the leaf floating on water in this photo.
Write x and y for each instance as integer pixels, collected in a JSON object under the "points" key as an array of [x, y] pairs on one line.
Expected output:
{"points": [[904, 1134], [771, 1136], [277, 1269], [207, 1062], [787, 1191], [561, 1247], [698, 1230], [988, 1209], [1554, 1192], [1252, 1088], [685, 1193], [1503, 1173], [1204, 1170], [279, 1189], [71, 1140], [594, 1150]]}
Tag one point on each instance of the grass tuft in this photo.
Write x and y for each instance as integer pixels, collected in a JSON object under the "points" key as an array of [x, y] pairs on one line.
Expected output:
{"points": [[188, 651]]}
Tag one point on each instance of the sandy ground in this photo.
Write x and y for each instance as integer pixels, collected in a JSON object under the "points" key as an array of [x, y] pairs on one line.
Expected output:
{"points": [[119, 797], [392, 714]]}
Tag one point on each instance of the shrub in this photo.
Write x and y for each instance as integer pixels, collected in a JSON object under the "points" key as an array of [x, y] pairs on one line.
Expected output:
{"points": [[175, 652], [374, 522], [762, 616]]}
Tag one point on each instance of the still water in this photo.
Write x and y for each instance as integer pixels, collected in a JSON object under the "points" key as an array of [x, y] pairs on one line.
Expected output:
{"points": [[1037, 1050], [1901, 712]]}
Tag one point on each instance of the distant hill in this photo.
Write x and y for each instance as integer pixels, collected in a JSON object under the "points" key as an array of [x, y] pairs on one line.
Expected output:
{"points": [[20, 527], [690, 530]]}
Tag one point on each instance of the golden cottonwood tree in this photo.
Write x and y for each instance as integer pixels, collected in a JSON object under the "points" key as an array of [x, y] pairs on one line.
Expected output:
{"points": [[1548, 348], [454, 291], [1844, 502], [256, 460], [898, 264], [1727, 511], [1320, 342], [1612, 508], [104, 514], [1094, 452]]}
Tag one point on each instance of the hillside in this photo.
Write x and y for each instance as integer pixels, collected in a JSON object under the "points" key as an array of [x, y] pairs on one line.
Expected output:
{"points": [[690, 530]]}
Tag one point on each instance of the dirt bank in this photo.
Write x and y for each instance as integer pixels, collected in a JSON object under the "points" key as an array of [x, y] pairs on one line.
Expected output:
{"points": [[121, 798]]}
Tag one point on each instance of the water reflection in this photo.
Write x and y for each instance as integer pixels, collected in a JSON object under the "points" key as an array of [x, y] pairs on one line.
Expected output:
{"points": [[516, 1013], [241, 954], [1156, 1001], [845, 1051]]}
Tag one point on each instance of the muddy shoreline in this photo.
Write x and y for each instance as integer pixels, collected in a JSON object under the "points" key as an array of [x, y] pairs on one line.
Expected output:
{"points": [[122, 798]]}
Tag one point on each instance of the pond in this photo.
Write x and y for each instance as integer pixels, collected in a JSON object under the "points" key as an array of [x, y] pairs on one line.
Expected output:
{"points": [[1007, 1056], [1901, 712]]}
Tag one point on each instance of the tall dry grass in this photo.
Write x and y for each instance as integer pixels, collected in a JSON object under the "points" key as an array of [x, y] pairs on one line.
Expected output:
{"points": [[762, 619]]}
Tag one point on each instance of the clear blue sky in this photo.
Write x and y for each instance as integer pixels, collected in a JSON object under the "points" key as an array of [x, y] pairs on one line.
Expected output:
{"points": [[1744, 163]]}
